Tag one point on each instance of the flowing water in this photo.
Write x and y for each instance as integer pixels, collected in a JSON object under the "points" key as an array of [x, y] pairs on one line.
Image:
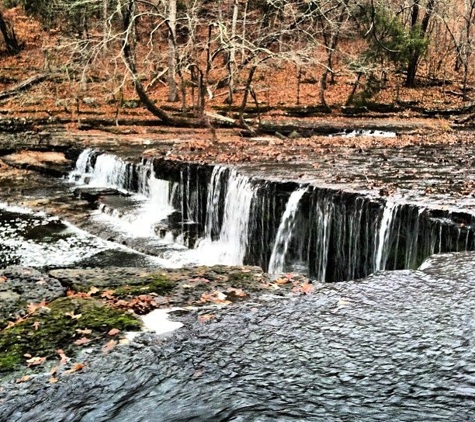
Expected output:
{"points": [[36, 240], [285, 233], [397, 345], [218, 215]]}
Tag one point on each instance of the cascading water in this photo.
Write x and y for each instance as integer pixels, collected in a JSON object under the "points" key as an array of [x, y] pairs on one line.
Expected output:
{"points": [[152, 194], [285, 233], [385, 228], [330, 234], [230, 245]]}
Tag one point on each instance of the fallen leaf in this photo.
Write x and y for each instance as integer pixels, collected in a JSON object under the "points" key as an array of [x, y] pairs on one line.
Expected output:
{"points": [[113, 332], [282, 281], [54, 370], [3, 279], [92, 291], [82, 341], [62, 355], [36, 324], [109, 346], [33, 307], [23, 379], [84, 332], [35, 361], [107, 294], [73, 315], [75, 368], [307, 288], [52, 380], [207, 317], [27, 355], [236, 292], [124, 341]]}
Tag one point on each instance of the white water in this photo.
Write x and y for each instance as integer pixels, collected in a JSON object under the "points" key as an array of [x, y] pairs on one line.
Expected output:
{"points": [[360, 132], [212, 201], [221, 244], [284, 233], [153, 194], [71, 245], [382, 249], [229, 248], [108, 171]]}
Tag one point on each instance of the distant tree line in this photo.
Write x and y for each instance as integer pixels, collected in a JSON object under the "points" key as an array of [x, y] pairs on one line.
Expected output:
{"points": [[198, 47]]}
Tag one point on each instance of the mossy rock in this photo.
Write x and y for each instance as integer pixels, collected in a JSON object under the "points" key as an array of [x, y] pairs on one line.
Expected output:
{"points": [[155, 283], [54, 327]]}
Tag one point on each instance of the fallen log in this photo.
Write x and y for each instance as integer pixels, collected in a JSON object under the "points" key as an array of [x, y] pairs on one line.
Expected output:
{"points": [[22, 86]]}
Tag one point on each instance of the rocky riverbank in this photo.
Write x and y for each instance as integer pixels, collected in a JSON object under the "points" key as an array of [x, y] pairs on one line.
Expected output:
{"points": [[69, 309], [397, 345]]}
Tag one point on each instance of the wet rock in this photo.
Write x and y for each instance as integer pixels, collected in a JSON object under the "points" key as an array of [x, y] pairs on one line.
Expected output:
{"points": [[92, 194], [21, 286], [370, 350]]}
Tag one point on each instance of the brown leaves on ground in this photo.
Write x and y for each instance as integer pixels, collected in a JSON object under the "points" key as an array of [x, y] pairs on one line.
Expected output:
{"points": [[304, 288], [82, 341], [206, 317], [83, 295], [76, 367], [33, 307], [64, 358], [214, 297], [72, 315], [34, 361], [109, 346]]}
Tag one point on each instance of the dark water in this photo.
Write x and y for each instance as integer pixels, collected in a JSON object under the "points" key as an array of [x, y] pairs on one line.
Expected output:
{"points": [[397, 345]]}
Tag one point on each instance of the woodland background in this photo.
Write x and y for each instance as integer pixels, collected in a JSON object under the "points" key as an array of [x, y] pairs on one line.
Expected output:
{"points": [[180, 60]]}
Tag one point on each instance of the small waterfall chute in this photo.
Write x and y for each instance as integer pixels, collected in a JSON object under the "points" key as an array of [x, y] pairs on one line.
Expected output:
{"points": [[385, 229], [230, 246], [285, 232], [151, 195]]}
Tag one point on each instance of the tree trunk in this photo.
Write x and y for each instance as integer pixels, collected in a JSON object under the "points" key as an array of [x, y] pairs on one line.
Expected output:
{"points": [[414, 60], [172, 62], [232, 53], [9, 36]]}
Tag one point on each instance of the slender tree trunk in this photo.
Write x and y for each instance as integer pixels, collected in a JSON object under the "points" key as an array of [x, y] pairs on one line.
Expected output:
{"points": [[247, 91], [105, 26], [232, 53], [172, 62]]}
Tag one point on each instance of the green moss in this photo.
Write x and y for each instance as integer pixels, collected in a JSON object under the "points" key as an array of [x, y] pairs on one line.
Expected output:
{"points": [[49, 330], [156, 283]]}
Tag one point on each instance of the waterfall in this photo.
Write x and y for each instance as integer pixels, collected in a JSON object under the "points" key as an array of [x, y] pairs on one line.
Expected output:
{"points": [[101, 170], [151, 195], [229, 218], [382, 242], [285, 233], [212, 223], [230, 246]]}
